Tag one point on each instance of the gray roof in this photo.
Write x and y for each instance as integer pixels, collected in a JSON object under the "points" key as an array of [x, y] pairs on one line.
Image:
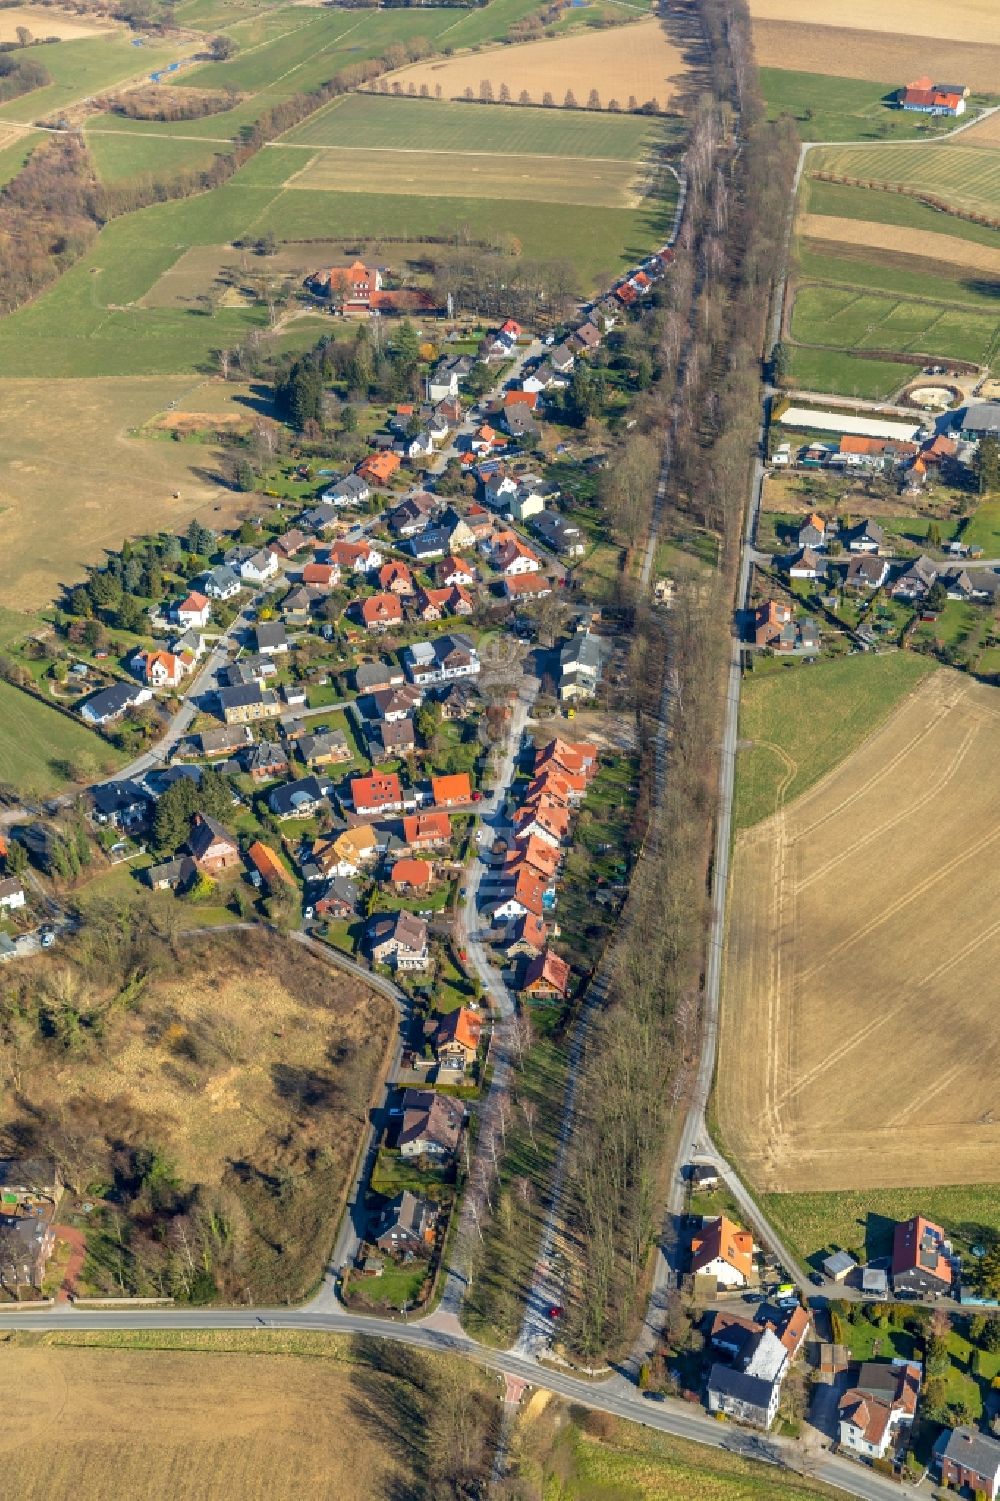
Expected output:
{"points": [[293, 795], [981, 416], [729, 1382], [318, 745], [584, 650], [111, 701], [839, 1262], [970, 1449], [239, 698], [371, 676], [270, 633]]}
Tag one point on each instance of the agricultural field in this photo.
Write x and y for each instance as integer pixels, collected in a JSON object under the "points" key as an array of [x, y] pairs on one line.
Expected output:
{"points": [[552, 180], [279, 1416], [846, 318], [798, 724], [378, 123], [841, 109], [843, 930], [108, 480], [836, 200], [637, 60], [247, 1065], [965, 20], [87, 66], [945, 249], [40, 748], [44, 22], [835, 50], [966, 178]]}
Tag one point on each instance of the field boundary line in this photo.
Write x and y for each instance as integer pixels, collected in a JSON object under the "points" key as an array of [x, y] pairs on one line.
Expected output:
{"points": [[507, 156]]}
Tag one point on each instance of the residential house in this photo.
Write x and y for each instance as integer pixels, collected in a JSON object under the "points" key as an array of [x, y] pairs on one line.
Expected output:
{"points": [[412, 514], [519, 424], [498, 488], [723, 1251], [544, 818], [409, 874], [560, 534], [461, 536], [379, 468], [396, 578], [221, 583], [267, 864], [562, 359], [171, 875], [529, 498], [359, 557], [111, 703], [125, 805], [389, 739], [585, 339], [443, 381], [581, 665], [444, 660], [271, 638], [812, 532], [426, 830], [352, 284], [406, 1225], [968, 1460], [527, 586], [808, 564], [349, 853], [980, 419], [432, 542], [259, 567], [916, 581], [398, 939], [213, 849], [453, 573], [432, 1124], [351, 490], [866, 537], [297, 605], [526, 935], [866, 572], [376, 795], [511, 557], [195, 611], [321, 575], [264, 761], [451, 791], [750, 1392], [370, 677], [329, 748], [457, 1038], [547, 977], [526, 895], [578, 756], [160, 669], [323, 517], [339, 900], [380, 611], [224, 741], [773, 625], [921, 1258], [880, 1402], [289, 543], [244, 704], [11, 894], [299, 799], [457, 702], [394, 704]]}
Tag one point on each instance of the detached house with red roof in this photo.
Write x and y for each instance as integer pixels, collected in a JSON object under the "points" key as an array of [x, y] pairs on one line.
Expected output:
{"points": [[546, 977], [723, 1251], [376, 794], [194, 611], [381, 611], [882, 1400]]}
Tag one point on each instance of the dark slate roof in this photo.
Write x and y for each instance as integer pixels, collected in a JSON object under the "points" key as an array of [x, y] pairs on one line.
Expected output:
{"points": [[290, 795], [970, 1449], [737, 1384], [113, 797]]}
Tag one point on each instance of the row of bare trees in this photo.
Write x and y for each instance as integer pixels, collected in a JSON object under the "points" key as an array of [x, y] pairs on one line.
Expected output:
{"points": [[639, 1053]]}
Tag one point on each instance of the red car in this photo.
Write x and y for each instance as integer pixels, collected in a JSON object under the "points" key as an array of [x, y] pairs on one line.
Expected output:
{"points": [[555, 1312]]}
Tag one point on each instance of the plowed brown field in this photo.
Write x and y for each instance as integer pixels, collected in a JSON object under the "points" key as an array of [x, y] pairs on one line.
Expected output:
{"points": [[638, 59], [964, 20], [922, 244], [853, 51], [858, 1042], [986, 133]]}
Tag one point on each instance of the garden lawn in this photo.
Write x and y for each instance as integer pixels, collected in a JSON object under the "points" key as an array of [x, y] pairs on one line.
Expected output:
{"points": [[814, 716], [36, 741], [813, 1224], [396, 1286]]}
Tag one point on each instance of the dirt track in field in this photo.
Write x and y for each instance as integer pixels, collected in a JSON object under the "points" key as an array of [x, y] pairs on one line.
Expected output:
{"points": [[858, 1045], [638, 59], [854, 51], [923, 244]]}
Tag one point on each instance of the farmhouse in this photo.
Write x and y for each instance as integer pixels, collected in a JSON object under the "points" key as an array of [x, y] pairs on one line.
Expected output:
{"points": [[352, 286], [924, 97]]}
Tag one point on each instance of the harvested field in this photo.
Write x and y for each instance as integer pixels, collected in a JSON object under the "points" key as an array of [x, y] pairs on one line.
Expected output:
{"points": [[841, 51], [112, 484], [966, 20], [445, 174], [197, 1425], [986, 133], [43, 22], [862, 941], [637, 60], [948, 249]]}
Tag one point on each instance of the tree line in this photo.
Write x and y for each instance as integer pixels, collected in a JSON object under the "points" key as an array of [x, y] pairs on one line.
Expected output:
{"points": [[639, 1052], [19, 75]]}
